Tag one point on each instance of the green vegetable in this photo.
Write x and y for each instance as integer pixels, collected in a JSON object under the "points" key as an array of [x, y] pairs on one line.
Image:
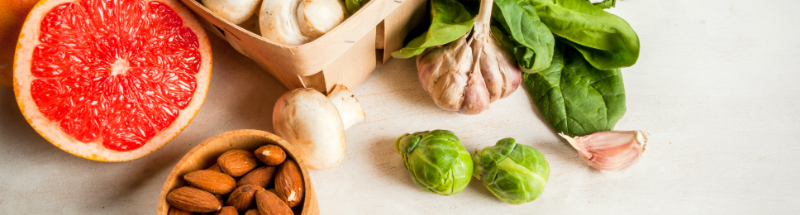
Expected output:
{"points": [[574, 97], [604, 39], [605, 4], [450, 21], [514, 173], [353, 5], [436, 160], [534, 48]]}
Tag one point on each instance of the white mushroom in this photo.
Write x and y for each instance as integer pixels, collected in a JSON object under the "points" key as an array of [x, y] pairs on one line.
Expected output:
{"points": [[295, 22], [316, 124], [236, 11]]}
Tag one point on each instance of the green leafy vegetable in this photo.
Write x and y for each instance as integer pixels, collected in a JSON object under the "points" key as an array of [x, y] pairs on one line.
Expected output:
{"points": [[534, 48], [574, 97], [450, 21], [514, 173], [353, 5], [436, 160], [606, 4], [604, 39]]}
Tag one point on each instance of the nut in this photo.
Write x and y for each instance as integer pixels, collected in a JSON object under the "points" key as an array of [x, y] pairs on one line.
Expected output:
{"points": [[261, 176], [243, 197], [175, 211], [227, 210], [193, 200], [269, 204], [237, 162], [252, 212], [214, 167], [270, 154], [211, 181], [289, 183]]}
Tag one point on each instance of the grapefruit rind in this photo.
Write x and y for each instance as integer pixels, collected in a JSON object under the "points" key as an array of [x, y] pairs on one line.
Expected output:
{"points": [[52, 132]]}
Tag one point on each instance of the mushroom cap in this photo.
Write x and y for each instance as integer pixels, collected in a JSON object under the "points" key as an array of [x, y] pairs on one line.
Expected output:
{"points": [[235, 11], [307, 119], [296, 22]]}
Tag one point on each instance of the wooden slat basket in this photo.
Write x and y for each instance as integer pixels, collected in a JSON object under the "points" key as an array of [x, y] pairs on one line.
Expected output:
{"points": [[345, 55]]}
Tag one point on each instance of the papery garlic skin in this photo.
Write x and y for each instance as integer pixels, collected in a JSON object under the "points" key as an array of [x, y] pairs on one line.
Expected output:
{"points": [[467, 74], [610, 150]]}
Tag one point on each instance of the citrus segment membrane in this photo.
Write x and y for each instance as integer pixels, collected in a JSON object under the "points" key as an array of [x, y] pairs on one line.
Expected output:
{"points": [[114, 71]]}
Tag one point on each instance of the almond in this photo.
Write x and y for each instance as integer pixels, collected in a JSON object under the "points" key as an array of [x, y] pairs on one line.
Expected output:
{"points": [[289, 183], [211, 181], [193, 200], [261, 176], [252, 212], [269, 204], [175, 211], [237, 162], [227, 210], [270, 154], [214, 167], [243, 197]]}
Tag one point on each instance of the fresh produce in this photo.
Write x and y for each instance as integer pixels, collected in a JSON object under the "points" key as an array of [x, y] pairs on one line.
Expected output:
{"points": [[436, 160], [513, 172], [353, 5], [235, 11], [574, 97], [450, 21], [610, 150], [111, 80], [604, 39], [467, 74], [316, 124], [533, 41], [296, 22], [12, 15], [234, 197]]}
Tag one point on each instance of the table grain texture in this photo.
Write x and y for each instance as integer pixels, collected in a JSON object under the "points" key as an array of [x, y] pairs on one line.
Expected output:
{"points": [[717, 86]]}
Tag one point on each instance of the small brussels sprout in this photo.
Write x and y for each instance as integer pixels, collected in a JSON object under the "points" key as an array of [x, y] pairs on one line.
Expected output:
{"points": [[513, 172], [436, 161]]}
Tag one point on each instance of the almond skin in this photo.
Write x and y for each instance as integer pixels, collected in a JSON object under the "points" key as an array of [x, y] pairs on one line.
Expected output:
{"points": [[261, 176], [193, 200], [214, 167], [271, 155], [227, 210], [269, 204], [289, 183], [252, 212], [175, 211], [237, 162], [243, 197], [211, 181]]}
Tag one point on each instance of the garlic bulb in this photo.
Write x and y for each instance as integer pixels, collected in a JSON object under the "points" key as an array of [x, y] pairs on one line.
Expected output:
{"points": [[471, 72], [296, 22], [235, 11], [610, 150]]}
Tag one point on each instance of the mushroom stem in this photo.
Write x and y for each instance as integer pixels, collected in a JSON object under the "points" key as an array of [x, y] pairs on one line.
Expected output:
{"points": [[349, 109]]}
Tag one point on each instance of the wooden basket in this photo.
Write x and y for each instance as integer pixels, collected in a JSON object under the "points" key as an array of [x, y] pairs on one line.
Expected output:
{"points": [[345, 55], [205, 155]]}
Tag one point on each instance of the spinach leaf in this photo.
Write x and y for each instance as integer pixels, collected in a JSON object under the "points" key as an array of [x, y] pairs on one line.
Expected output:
{"points": [[574, 97], [534, 49], [604, 39], [450, 21], [605, 4], [353, 5]]}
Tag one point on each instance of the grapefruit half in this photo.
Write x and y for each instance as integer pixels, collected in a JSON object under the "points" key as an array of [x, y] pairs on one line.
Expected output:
{"points": [[111, 80]]}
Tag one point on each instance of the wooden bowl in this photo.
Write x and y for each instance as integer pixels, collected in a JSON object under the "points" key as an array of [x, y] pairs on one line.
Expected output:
{"points": [[204, 155]]}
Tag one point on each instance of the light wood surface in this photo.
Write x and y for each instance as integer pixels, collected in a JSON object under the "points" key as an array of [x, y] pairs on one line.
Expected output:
{"points": [[716, 86]]}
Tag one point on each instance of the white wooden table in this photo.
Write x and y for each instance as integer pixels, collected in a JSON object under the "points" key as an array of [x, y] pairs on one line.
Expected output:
{"points": [[717, 86]]}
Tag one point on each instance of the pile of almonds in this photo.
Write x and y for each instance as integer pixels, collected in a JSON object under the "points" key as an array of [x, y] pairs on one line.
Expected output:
{"points": [[216, 189]]}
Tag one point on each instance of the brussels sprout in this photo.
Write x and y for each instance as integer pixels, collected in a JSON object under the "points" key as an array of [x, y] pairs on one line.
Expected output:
{"points": [[436, 161], [513, 172]]}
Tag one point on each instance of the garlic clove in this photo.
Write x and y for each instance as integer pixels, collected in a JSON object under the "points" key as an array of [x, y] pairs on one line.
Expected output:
{"points": [[442, 73], [610, 150]]}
